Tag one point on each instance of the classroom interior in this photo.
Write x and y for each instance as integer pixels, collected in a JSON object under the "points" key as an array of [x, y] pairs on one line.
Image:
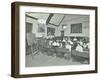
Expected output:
{"points": [[54, 39]]}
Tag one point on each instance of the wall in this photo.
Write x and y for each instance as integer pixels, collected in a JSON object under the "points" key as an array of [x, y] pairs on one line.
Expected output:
{"points": [[5, 40], [35, 27], [85, 27], [67, 32]]}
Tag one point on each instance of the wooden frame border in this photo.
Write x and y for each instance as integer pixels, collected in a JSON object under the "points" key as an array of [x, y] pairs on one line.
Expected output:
{"points": [[15, 38]]}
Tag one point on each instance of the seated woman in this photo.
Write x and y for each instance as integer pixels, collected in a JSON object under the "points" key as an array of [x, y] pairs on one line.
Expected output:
{"points": [[74, 45], [68, 46], [84, 45], [60, 44], [50, 43], [69, 40], [79, 48], [63, 42], [81, 42], [55, 43], [88, 45]]}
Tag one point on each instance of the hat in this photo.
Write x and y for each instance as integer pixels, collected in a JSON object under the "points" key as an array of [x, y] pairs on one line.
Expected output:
{"points": [[75, 39]]}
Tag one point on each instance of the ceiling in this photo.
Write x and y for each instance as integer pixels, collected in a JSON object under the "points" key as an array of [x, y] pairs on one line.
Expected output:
{"points": [[55, 19]]}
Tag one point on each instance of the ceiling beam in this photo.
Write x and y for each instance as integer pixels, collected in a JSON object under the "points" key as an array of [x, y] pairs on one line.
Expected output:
{"points": [[31, 17], [49, 18], [53, 24]]}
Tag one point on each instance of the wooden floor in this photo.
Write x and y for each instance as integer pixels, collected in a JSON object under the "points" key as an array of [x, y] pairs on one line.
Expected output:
{"points": [[41, 59]]}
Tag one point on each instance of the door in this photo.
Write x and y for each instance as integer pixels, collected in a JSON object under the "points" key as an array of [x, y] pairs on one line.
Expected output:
{"points": [[62, 35]]}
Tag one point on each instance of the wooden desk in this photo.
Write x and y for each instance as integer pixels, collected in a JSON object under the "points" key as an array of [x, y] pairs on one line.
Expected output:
{"points": [[60, 52], [81, 56], [84, 54]]}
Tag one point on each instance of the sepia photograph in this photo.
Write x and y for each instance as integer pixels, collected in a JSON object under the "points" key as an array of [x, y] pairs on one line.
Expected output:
{"points": [[52, 39], [57, 39]]}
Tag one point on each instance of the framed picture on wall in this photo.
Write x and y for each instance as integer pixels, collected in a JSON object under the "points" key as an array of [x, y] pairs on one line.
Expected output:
{"points": [[34, 55], [41, 28]]}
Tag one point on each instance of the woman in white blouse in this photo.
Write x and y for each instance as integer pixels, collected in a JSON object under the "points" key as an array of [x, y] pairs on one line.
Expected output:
{"points": [[79, 48], [68, 46]]}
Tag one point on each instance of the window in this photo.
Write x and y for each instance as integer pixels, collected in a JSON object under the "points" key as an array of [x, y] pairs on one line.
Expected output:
{"points": [[29, 27], [76, 28]]}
